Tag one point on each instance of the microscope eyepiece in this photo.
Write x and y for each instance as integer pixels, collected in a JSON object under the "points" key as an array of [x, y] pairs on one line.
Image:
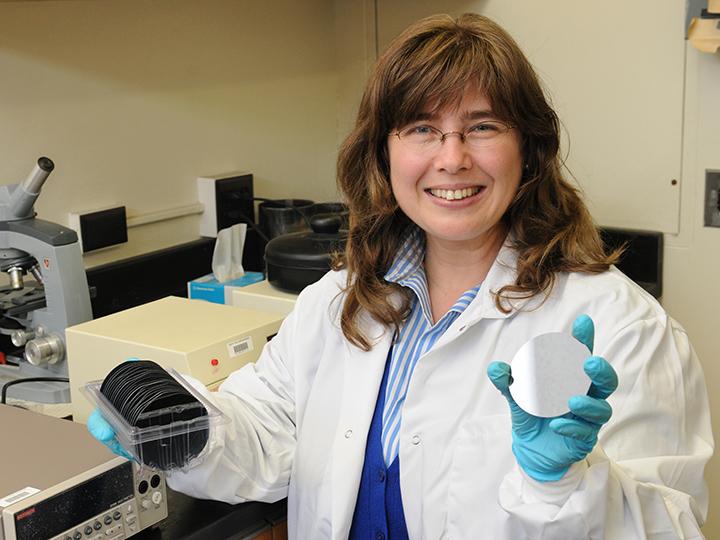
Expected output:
{"points": [[46, 164]]}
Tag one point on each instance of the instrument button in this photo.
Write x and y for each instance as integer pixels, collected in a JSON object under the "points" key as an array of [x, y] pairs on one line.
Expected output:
{"points": [[143, 487], [97, 525], [156, 497], [107, 520], [116, 515], [88, 530], [155, 480]]}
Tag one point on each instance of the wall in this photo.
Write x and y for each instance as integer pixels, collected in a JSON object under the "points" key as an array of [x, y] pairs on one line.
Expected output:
{"points": [[692, 258], [133, 99]]}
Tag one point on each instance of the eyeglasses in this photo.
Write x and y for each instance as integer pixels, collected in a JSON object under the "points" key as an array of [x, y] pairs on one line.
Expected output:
{"points": [[425, 138]]}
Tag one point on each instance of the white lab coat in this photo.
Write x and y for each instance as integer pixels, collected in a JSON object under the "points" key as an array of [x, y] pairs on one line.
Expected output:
{"points": [[300, 418]]}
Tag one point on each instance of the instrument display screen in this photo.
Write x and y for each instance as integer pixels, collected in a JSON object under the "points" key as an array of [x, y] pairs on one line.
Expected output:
{"points": [[77, 504]]}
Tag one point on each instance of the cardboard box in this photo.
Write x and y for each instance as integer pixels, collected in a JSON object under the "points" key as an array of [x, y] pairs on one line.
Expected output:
{"points": [[209, 289]]}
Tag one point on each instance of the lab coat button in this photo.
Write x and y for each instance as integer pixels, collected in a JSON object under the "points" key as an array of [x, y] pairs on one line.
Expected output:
{"points": [[416, 439], [379, 535], [348, 433], [462, 328], [381, 475]]}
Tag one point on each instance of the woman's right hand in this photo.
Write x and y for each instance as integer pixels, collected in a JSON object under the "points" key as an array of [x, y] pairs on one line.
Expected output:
{"points": [[103, 432]]}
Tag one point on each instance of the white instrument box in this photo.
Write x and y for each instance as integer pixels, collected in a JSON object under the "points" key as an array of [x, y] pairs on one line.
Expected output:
{"points": [[205, 340]]}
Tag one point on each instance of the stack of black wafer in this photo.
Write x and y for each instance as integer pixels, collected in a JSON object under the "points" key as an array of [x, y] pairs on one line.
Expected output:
{"points": [[147, 396]]}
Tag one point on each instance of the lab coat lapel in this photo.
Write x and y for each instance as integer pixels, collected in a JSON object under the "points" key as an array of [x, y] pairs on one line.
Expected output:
{"points": [[502, 272], [362, 376]]}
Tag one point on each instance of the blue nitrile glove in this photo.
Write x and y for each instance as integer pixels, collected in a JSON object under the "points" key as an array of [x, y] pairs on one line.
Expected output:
{"points": [[546, 447], [104, 432]]}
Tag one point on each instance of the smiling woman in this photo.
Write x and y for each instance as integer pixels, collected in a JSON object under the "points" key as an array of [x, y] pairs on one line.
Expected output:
{"points": [[454, 106]]}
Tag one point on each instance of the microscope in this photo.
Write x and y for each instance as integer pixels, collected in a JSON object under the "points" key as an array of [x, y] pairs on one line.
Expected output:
{"points": [[47, 292]]}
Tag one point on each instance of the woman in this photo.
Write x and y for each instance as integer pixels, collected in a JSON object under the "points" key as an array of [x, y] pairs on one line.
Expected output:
{"points": [[372, 409]]}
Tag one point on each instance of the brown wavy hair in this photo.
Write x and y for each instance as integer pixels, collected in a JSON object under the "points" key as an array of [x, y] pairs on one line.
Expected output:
{"points": [[435, 61]]}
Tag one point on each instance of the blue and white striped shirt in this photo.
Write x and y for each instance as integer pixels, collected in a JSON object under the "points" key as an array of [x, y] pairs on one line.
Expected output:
{"points": [[417, 334]]}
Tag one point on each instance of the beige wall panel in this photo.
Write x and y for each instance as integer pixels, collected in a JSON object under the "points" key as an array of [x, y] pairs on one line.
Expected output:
{"points": [[692, 258], [133, 99], [614, 71]]}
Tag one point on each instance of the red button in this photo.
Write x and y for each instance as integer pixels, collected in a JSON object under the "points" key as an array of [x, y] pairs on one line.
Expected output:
{"points": [[214, 362]]}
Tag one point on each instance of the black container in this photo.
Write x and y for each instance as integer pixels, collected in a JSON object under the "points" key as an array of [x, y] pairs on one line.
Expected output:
{"points": [[283, 216], [334, 209], [296, 260]]}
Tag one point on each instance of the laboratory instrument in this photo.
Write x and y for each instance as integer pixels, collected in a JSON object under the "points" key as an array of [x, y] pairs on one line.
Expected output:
{"points": [[263, 297], [296, 260], [205, 340], [61, 484], [48, 291]]}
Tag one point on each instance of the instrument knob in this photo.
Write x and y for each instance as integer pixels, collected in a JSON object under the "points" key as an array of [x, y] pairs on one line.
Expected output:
{"points": [[21, 337], [16, 278], [48, 349]]}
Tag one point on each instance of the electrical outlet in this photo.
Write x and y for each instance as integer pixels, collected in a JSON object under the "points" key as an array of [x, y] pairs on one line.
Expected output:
{"points": [[712, 198]]}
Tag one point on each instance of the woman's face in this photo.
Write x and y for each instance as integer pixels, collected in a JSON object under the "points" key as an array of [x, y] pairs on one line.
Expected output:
{"points": [[457, 193]]}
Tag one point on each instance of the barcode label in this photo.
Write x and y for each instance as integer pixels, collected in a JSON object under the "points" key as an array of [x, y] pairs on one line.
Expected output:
{"points": [[236, 348], [17, 496]]}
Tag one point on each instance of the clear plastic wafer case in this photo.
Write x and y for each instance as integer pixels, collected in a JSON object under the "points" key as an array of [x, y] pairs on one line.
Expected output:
{"points": [[167, 438]]}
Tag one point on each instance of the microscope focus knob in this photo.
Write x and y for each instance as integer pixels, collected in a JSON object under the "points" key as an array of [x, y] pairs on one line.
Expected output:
{"points": [[16, 278], [21, 337], [45, 350]]}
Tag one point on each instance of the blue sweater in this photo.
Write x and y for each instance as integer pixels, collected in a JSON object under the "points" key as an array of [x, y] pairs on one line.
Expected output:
{"points": [[378, 510]]}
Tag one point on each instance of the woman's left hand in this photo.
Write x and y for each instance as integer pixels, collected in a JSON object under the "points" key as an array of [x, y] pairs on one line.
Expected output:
{"points": [[545, 448]]}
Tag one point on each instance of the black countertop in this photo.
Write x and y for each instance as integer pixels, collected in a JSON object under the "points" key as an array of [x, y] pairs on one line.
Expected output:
{"points": [[198, 519]]}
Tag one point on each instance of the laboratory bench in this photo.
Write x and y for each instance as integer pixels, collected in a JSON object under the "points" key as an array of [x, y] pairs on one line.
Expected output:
{"points": [[198, 519]]}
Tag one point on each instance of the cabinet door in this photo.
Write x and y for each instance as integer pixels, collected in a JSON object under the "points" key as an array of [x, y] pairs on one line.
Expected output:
{"points": [[614, 71]]}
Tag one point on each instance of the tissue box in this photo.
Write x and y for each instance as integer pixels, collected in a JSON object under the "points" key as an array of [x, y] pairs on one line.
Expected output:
{"points": [[210, 289]]}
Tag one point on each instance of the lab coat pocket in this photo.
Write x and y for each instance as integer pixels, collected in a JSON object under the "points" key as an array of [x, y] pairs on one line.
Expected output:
{"points": [[481, 459]]}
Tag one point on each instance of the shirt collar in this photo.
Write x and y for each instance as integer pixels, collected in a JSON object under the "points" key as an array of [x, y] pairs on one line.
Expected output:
{"points": [[408, 270], [409, 259]]}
